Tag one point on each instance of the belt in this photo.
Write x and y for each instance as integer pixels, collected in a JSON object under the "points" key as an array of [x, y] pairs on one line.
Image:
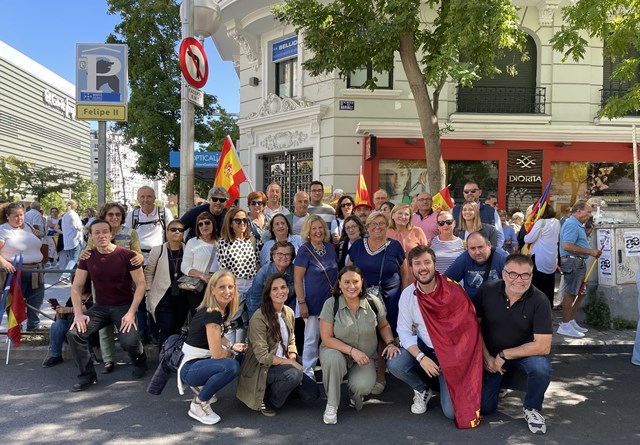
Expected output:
{"points": [[574, 257]]}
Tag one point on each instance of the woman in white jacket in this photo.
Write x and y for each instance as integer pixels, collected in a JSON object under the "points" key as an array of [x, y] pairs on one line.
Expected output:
{"points": [[544, 235], [166, 302]]}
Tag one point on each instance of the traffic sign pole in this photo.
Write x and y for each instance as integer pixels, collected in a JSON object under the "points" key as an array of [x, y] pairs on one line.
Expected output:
{"points": [[102, 163], [186, 125]]}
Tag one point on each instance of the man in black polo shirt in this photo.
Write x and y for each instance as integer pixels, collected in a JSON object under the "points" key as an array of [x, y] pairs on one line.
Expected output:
{"points": [[515, 319]]}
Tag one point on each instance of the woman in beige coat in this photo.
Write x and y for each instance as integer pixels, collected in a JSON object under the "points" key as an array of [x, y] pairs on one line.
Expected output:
{"points": [[270, 371], [165, 301]]}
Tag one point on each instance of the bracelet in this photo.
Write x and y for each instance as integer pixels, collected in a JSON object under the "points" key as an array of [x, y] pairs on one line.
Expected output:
{"points": [[302, 302], [419, 357], [351, 350], [392, 342]]}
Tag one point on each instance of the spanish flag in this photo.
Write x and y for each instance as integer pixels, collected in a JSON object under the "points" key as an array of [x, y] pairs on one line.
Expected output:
{"points": [[442, 201], [14, 305], [362, 194], [230, 173], [536, 213]]}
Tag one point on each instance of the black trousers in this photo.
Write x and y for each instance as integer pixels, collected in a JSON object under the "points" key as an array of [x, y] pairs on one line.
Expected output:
{"points": [[171, 313]]}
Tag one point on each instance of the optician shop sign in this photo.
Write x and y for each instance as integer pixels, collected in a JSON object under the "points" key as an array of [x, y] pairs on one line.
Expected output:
{"points": [[284, 49]]}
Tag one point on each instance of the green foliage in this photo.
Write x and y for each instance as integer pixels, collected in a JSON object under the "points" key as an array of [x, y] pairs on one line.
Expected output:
{"points": [[623, 323], [597, 311], [85, 192], [52, 200], [615, 22], [22, 178], [151, 29]]}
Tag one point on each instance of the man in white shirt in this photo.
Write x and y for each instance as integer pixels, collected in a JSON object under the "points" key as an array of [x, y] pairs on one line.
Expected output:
{"points": [[300, 212], [317, 207], [72, 236], [35, 219], [274, 195]]}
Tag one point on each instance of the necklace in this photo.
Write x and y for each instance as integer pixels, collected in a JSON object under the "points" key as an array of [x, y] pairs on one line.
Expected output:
{"points": [[174, 261], [321, 252]]}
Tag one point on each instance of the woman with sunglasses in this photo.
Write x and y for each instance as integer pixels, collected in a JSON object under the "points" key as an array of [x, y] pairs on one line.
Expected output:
{"points": [[401, 230], [238, 253], [200, 257], [344, 209], [122, 236], [167, 302], [352, 230], [280, 229], [470, 222], [258, 221], [446, 245]]}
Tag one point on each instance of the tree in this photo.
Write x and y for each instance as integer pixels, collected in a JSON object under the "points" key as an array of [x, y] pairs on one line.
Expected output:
{"points": [[459, 42], [615, 22], [85, 192], [19, 177], [53, 200], [151, 29]]}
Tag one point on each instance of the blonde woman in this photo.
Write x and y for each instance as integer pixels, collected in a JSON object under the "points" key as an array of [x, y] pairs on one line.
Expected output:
{"points": [[446, 245], [401, 230], [470, 222], [209, 359]]}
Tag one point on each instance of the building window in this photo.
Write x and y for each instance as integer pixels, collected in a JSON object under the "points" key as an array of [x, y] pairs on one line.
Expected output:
{"points": [[287, 78], [485, 173], [293, 171], [384, 79], [614, 87]]}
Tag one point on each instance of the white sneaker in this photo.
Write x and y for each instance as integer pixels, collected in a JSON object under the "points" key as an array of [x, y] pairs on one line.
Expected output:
{"points": [[568, 330], [330, 416], [420, 401], [577, 327], [202, 412], [535, 421], [196, 390]]}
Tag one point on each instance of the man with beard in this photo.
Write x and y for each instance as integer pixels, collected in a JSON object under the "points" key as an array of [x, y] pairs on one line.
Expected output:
{"points": [[440, 337]]}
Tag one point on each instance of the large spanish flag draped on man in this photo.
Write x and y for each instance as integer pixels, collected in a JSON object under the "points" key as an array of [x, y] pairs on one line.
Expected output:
{"points": [[13, 303], [362, 194], [230, 173], [442, 201]]}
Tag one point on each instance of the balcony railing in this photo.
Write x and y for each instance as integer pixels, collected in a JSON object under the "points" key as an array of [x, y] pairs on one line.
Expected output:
{"points": [[607, 93], [507, 100]]}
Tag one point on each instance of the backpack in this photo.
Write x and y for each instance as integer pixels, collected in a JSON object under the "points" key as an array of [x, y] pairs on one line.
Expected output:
{"points": [[171, 353], [135, 220]]}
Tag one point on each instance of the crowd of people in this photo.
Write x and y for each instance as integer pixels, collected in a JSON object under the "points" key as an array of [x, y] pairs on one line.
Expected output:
{"points": [[266, 294]]}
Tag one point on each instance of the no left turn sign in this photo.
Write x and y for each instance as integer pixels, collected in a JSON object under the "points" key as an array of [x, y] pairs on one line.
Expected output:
{"points": [[193, 62]]}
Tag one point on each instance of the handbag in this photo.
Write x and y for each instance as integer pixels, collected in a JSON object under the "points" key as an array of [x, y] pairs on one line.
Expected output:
{"points": [[376, 289], [194, 284]]}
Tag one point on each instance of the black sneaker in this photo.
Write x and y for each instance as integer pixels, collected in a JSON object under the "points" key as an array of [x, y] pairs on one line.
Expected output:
{"points": [[267, 409], [52, 361], [139, 372]]}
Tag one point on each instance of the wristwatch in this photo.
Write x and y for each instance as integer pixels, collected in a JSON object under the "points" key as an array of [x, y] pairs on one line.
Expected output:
{"points": [[501, 355]]}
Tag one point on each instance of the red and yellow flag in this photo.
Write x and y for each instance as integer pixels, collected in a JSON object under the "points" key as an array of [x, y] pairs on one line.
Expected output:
{"points": [[16, 311], [362, 194], [230, 173], [442, 201]]}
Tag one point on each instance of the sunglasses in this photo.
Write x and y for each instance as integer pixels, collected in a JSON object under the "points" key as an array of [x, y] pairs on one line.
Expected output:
{"points": [[346, 204], [218, 199], [470, 191], [257, 203], [206, 222], [177, 229], [119, 215], [446, 221], [240, 221]]}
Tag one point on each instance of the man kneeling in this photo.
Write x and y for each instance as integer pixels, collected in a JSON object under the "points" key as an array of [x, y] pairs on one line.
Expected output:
{"points": [[113, 275], [446, 343]]}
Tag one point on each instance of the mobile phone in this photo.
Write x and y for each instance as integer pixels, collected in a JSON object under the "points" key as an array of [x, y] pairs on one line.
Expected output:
{"points": [[54, 302]]}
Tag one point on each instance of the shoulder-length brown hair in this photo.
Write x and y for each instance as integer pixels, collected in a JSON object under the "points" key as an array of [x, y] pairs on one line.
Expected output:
{"points": [[108, 206], [210, 217], [477, 223], [226, 232]]}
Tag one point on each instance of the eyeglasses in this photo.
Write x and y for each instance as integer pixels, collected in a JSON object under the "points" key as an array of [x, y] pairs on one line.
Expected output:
{"points": [[177, 229], [218, 199], [240, 221], [424, 199], [378, 224], [523, 276], [470, 191], [350, 228], [346, 204], [446, 221], [283, 255], [110, 214], [317, 191], [257, 203], [206, 222]]}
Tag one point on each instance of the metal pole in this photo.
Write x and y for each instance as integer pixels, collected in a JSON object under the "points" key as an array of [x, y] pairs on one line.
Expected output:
{"points": [[102, 163], [635, 171], [186, 125]]}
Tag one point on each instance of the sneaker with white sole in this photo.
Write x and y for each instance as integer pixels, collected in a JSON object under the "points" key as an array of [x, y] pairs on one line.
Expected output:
{"points": [[330, 416], [202, 412], [577, 327], [356, 402], [567, 330], [420, 401], [535, 421], [378, 388]]}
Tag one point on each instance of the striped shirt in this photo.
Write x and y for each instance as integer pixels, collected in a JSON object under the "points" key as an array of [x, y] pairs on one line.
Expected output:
{"points": [[446, 252]]}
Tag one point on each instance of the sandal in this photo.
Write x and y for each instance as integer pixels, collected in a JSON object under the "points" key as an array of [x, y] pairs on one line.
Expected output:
{"points": [[108, 367]]}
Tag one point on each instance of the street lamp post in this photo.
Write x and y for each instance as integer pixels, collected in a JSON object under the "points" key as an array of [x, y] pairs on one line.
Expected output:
{"points": [[199, 18]]}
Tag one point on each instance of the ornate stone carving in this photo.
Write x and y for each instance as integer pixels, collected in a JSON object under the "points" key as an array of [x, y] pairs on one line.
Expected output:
{"points": [[283, 139], [247, 48], [546, 9], [275, 104]]}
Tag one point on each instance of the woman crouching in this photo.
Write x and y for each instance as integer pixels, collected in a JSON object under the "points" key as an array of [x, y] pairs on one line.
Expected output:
{"points": [[350, 341], [209, 362]]}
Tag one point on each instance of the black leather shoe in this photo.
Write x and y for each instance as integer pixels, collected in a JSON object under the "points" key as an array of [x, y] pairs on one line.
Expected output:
{"points": [[84, 383], [108, 367], [52, 361], [139, 372]]}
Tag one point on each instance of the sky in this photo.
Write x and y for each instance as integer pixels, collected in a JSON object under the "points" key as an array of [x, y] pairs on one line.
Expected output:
{"points": [[47, 32]]}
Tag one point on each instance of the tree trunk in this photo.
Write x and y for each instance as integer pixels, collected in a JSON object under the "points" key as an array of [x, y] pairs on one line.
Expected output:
{"points": [[426, 116]]}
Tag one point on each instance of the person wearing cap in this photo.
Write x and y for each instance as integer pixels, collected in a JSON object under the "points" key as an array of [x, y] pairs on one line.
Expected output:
{"points": [[217, 201], [362, 211]]}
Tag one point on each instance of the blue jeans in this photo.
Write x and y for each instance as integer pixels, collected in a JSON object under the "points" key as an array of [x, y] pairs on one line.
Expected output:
{"points": [[210, 373], [405, 367], [57, 336], [635, 358], [33, 297], [72, 259], [538, 369]]}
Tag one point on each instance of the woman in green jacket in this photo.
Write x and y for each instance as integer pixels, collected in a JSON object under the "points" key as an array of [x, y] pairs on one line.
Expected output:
{"points": [[270, 371]]}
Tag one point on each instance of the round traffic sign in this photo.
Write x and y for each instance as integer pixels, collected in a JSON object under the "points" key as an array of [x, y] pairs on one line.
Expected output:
{"points": [[193, 62]]}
